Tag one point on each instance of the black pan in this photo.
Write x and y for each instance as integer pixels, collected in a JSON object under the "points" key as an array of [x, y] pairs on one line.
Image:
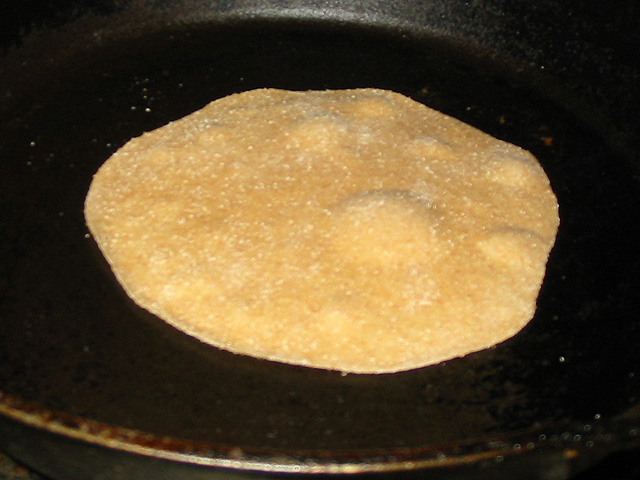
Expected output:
{"points": [[93, 387]]}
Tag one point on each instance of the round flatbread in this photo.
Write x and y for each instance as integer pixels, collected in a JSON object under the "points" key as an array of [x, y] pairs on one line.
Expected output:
{"points": [[355, 230]]}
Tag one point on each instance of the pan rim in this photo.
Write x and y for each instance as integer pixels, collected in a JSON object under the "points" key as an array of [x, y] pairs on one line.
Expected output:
{"points": [[595, 440]]}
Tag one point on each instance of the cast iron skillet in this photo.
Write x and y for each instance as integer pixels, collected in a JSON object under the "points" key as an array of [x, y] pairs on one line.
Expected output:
{"points": [[92, 387]]}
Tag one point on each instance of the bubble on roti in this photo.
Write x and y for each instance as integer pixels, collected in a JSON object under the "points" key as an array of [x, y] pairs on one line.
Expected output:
{"points": [[354, 230]]}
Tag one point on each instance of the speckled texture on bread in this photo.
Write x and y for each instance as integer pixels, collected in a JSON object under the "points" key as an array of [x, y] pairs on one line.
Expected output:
{"points": [[354, 230]]}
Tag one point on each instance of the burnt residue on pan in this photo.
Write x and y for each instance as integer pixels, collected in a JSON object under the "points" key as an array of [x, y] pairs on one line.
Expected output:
{"points": [[82, 364]]}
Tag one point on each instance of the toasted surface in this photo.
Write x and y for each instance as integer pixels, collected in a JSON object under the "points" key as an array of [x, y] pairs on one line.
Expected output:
{"points": [[354, 230]]}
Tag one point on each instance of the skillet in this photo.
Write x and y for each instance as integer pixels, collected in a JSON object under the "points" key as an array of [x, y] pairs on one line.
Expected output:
{"points": [[93, 387]]}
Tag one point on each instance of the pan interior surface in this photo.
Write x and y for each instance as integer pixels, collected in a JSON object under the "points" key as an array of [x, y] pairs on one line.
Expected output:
{"points": [[71, 341]]}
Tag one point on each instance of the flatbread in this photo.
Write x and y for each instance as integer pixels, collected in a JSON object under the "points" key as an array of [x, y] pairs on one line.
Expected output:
{"points": [[354, 230]]}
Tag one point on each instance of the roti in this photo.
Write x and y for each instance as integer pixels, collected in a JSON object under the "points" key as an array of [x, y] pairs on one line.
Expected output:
{"points": [[352, 230]]}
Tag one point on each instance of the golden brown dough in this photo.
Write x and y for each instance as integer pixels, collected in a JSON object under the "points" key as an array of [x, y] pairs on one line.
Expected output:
{"points": [[354, 230]]}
